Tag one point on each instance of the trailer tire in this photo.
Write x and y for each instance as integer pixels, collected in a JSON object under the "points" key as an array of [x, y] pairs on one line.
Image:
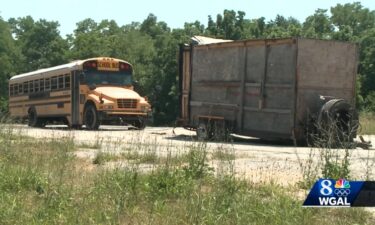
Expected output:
{"points": [[337, 123], [203, 131], [220, 130], [75, 127]]}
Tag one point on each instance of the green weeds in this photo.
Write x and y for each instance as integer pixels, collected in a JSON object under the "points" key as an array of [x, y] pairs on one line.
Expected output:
{"points": [[43, 183], [367, 121]]}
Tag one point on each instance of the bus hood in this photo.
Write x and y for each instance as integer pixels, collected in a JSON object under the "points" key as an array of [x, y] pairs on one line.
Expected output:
{"points": [[116, 92]]}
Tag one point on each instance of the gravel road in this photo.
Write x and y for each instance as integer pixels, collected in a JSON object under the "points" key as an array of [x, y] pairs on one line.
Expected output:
{"points": [[256, 160]]}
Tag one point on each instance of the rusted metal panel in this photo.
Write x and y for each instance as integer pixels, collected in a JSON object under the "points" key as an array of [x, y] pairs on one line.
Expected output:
{"points": [[325, 68], [185, 79], [267, 87], [246, 76], [216, 84]]}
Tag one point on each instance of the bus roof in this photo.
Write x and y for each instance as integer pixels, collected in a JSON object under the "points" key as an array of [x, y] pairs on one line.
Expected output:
{"points": [[45, 70], [71, 65]]}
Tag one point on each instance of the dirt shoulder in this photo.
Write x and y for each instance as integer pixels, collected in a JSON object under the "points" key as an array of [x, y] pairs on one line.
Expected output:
{"points": [[255, 160]]}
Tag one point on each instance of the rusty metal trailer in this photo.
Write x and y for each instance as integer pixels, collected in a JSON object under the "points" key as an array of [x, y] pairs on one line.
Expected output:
{"points": [[271, 89]]}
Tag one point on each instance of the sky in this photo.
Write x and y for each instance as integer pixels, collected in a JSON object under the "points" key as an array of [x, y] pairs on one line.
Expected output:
{"points": [[174, 13]]}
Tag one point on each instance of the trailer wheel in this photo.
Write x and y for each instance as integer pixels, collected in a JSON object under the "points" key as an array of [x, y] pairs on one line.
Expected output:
{"points": [[91, 117], [337, 123], [203, 131], [220, 130], [75, 127]]}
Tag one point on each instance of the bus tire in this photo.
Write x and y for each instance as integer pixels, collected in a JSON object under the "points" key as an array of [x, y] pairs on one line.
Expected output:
{"points": [[91, 117], [140, 123], [33, 120]]}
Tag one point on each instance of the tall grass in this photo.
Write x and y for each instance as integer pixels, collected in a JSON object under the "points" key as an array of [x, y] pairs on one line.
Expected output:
{"points": [[44, 183], [367, 121], [330, 152]]}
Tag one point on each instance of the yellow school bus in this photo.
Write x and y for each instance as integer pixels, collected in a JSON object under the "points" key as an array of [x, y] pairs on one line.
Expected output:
{"points": [[86, 92]]}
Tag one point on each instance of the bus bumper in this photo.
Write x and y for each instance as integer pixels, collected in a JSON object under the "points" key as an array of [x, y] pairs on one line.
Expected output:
{"points": [[121, 116]]}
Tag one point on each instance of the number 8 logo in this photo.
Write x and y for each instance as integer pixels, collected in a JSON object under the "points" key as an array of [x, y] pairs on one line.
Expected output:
{"points": [[326, 187]]}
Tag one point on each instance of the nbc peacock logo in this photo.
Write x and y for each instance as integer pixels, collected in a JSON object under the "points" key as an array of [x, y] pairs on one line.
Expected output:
{"points": [[342, 183]]}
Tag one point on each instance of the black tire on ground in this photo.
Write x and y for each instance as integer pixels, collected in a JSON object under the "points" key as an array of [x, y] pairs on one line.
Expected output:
{"points": [[33, 120], [337, 122], [76, 127], [204, 131], [221, 131], [91, 117], [140, 123]]}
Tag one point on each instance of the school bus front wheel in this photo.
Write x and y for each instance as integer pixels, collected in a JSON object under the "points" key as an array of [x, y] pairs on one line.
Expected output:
{"points": [[91, 118]]}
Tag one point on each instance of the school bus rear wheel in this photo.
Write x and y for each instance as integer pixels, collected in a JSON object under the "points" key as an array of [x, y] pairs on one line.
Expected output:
{"points": [[33, 120]]}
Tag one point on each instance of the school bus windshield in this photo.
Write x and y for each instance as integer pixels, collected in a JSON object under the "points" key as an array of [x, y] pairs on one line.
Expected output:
{"points": [[107, 78]]}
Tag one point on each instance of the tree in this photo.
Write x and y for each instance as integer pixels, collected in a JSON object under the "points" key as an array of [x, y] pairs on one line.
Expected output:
{"points": [[211, 29], [282, 27], [162, 81], [9, 57], [318, 25], [352, 15], [86, 41], [40, 43], [193, 29], [138, 48], [367, 61], [230, 25], [153, 28], [254, 28]]}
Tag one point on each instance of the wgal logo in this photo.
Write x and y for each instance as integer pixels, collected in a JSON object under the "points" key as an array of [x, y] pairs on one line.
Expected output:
{"points": [[334, 195]]}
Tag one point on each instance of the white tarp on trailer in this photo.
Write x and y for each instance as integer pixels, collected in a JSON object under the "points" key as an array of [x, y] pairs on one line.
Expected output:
{"points": [[201, 40]]}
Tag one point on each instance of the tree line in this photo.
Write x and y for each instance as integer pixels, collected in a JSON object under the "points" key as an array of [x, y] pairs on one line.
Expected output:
{"points": [[152, 46]]}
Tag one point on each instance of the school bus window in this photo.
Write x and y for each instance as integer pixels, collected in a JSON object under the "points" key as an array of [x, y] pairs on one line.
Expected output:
{"points": [[31, 86], [41, 84], [25, 87], [36, 85], [67, 81], [11, 90], [54, 83], [20, 89], [15, 89], [61, 82], [47, 84]]}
